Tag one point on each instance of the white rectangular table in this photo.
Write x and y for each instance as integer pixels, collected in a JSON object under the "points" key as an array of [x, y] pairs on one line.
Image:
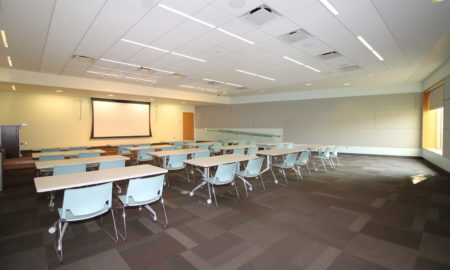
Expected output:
{"points": [[66, 153], [207, 163], [269, 144], [270, 153], [198, 144], [65, 181], [88, 160], [225, 148], [137, 148], [164, 154], [65, 148]]}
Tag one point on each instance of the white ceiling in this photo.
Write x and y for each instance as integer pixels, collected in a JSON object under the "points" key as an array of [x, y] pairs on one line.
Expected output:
{"points": [[43, 35]]}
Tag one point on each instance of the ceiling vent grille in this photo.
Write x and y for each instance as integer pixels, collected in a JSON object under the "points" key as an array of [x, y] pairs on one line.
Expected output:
{"points": [[242, 88], [82, 58], [213, 83], [260, 15], [145, 70], [177, 76], [295, 36], [329, 55], [350, 68]]}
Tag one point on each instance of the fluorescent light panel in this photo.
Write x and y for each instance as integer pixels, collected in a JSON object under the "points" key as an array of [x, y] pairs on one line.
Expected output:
{"points": [[368, 46], [187, 56], [204, 23], [330, 7], [119, 62], [9, 61], [300, 63], [144, 45], [227, 83], [198, 88], [5, 41], [256, 75]]}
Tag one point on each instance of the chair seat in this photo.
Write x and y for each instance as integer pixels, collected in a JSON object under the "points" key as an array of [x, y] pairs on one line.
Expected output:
{"points": [[132, 202], [281, 165], [300, 163], [320, 157], [72, 217], [247, 174], [211, 181], [171, 168]]}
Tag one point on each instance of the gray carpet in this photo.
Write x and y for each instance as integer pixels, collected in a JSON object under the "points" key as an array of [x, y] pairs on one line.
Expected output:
{"points": [[365, 214]]}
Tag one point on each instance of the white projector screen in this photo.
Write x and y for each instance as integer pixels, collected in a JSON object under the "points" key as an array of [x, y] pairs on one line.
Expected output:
{"points": [[120, 118]]}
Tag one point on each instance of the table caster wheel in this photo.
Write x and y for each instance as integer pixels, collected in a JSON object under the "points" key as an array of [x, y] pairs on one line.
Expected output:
{"points": [[52, 230], [250, 188], [191, 194], [208, 201], [276, 181], [155, 219]]}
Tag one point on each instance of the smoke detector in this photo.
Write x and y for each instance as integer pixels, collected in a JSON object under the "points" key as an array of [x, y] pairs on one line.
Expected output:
{"points": [[260, 15]]}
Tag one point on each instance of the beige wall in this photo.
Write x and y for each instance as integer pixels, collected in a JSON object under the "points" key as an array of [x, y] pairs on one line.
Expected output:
{"points": [[368, 121], [54, 120]]}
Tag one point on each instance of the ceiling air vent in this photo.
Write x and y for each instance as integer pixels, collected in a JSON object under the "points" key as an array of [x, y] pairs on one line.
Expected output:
{"points": [[329, 55], [213, 83], [177, 76], [82, 58], [260, 15], [242, 88], [295, 36], [350, 68], [145, 70]]}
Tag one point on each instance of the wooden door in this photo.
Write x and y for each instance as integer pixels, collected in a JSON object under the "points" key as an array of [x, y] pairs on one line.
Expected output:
{"points": [[10, 140], [188, 126]]}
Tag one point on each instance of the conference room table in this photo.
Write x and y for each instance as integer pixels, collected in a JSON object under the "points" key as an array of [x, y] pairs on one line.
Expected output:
{"points": [[66, 153], [208, 162], [64, 148], [164, 154], [225, 148], [73, 161], [75, 180], [197, 144], [270, 144], [270, 153]]}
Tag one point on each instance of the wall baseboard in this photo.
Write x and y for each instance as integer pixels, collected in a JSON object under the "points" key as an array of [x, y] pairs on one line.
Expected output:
{"points": [[438, 160]]}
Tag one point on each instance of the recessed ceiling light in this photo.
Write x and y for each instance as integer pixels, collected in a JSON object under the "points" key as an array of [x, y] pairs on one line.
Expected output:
{"points": [[347, 84], [186, 15], [301, 64], [144, 45], [211, 80], [330, 7], [199, 88], [58, 91], [5, 41], [9, 61], [256, 75], [236, 36], [147, 80], [110, 95], [93, 72], [13, 87], [308, 84], [187, 56], [233, 84], [368, 46]]}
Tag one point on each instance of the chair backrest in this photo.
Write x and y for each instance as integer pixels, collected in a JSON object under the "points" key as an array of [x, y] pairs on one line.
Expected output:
{"points": [[177, 161], [67, 169], [254, 166], [145, 190], [201, 154], [334, 151], [304, 156], [143, 154], [240, 151], [276, 146], [217, 144], [121, 149], [77, 148], [326, 152], [252, 151], [225, 174], [55, 157], [168, 148], [242, 142], [289, 160], [111, 164], [203, 146], [93, 154], [87, 200], [51, 150]]}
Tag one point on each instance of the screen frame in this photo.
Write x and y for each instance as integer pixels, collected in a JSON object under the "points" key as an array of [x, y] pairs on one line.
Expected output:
{"points": [[121, 101]]}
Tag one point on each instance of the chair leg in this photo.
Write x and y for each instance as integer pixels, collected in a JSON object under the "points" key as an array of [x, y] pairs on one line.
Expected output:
{"points": [[299, 172], [307, 166], [296, 172], [215, 198], [58, 243], [164, 210], [284, 174], [324, 166], [115, 226], [262, 182], [124, 218], [237, 192], [187, 174], [274, 177]]}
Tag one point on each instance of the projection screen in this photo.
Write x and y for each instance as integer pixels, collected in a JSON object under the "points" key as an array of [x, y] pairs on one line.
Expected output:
{"points": [[120, 118]]}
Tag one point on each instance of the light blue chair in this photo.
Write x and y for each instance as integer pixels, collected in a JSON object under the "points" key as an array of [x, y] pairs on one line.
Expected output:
{"points": [[289, 145], [111, 164], [334, 154], [81, 204], [143, 155], [251, 151], [224, 175], [242, 143], [204, 154], [216, 145], [252, 170], [277, 146], [51, 150], [85, 155], [175, 163], [144, 144], [239, 151], [178, 145], [288, 163], [48, 158], [77, 148], [204, 146], [122, 151], [64, 169], [303, 160], [168, 148], [142, 192], [324, 155]]}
